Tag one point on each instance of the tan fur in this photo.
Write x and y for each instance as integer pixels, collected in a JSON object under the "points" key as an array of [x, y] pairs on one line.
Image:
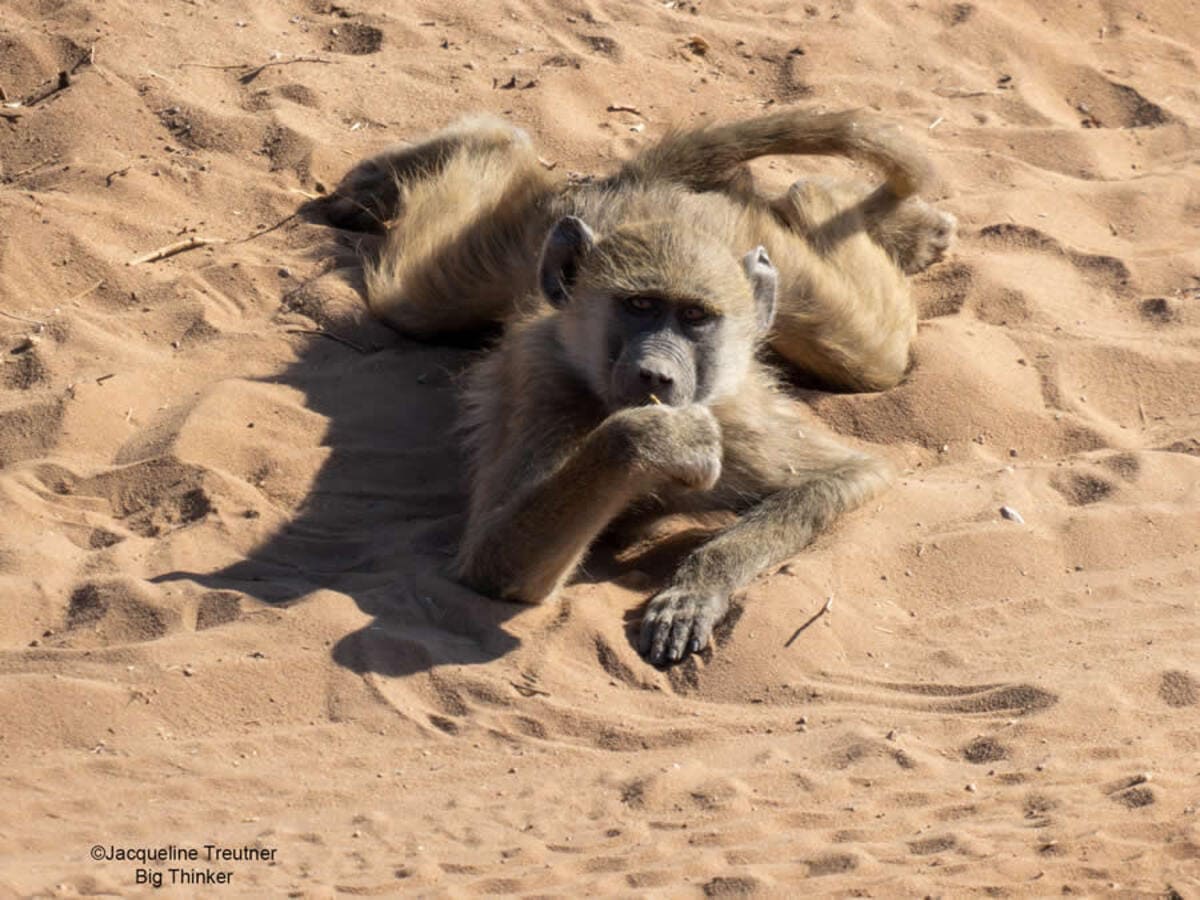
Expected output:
{"points": [[552, 465]]}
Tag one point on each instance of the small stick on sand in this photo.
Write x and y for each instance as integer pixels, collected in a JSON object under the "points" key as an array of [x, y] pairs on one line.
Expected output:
{"points": [[655, 400], [957, 93], [17, 318], [320, 332], [820, 612], [83, 294], [267, 228], [253, 71], [171, 249], [31, 169], [526, 691], [257, 70], [63, 82]]}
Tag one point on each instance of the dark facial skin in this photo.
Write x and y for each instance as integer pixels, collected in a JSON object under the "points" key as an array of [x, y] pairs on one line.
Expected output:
{"points": [[662, 350]]}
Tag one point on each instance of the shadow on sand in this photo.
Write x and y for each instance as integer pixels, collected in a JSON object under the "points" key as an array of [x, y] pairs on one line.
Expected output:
{"points": [[383, 512]]}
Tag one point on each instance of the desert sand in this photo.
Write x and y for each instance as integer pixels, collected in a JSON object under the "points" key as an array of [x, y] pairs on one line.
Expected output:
{"points": [[227, 494]]}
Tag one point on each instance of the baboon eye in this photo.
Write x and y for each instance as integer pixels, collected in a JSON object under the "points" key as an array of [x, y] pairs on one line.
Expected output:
{"points": [[641, 305], [695, 315]]}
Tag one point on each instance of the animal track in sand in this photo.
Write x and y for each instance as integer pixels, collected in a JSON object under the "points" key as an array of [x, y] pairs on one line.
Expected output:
{"points": [[1110, 271], [107, 613], [1178, 689], [1081, 489], [354, 39]]}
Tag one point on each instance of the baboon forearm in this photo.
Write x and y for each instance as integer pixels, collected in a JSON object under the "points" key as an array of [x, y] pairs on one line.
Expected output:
{"points": [[776, 529], [525, 549]]}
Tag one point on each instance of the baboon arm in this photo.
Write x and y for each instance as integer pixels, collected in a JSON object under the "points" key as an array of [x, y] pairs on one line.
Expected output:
{"points": [[526, 547], [680, 619]]}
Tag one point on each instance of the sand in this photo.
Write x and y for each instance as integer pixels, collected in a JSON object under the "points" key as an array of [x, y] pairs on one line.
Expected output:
{"points": [[222, 528]]}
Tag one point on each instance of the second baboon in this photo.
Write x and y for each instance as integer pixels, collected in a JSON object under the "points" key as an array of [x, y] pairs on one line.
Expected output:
{"points": [[627, 382]]}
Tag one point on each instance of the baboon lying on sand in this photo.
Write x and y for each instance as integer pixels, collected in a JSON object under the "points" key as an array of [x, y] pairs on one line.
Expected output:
{"points": [[627, 382]]}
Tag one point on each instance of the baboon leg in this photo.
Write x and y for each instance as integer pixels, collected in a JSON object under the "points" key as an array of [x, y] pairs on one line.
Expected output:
{"points": [[680, 619], [369, 195], [711, 158], [462, 250], [845, 314]]}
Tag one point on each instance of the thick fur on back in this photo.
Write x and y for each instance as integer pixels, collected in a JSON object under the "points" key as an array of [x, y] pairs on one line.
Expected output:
{"points": [[465, 246]]}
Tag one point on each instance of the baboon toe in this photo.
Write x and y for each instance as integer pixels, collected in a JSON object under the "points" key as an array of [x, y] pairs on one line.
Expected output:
{"points": [[931, 234]]}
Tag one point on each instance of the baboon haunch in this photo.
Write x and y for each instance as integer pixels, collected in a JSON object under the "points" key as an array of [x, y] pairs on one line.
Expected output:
{"points": [[627, 382]]}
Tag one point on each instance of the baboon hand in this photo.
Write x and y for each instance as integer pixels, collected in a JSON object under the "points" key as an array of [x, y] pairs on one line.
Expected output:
{"points": [[679, 621], [680, 444]]}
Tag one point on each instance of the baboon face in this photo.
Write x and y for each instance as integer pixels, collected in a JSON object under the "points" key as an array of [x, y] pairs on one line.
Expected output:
{"points": [[656, 313]]}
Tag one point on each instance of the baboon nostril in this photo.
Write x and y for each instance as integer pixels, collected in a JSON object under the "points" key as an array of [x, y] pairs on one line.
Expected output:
{"points": [[653, 377]]}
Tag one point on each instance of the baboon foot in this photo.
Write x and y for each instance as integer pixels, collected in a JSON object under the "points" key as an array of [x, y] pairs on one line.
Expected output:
{"points": [[915, 234]]}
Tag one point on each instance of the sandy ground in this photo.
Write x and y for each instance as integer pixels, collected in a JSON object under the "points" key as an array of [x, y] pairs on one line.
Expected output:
{"points": [[221, 530]]}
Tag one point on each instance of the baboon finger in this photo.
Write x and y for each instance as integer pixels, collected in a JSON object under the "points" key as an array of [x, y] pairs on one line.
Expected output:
{"points": [[650, 626], [681, 630], [702, 632], [662, 633]]}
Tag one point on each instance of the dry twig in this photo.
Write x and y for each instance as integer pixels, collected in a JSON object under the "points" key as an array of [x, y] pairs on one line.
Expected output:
{"points": [[321, 332], [253, 71], [171, 249], [17, 318], [83, 294], [820, 612], [30, 169], [268, 228]]}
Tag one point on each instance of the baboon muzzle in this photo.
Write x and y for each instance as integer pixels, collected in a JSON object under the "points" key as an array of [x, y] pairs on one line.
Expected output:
{"points": [[653, 372]]}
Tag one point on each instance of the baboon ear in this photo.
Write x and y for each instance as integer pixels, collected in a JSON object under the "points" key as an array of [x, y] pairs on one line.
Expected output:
{"points": [[764, 283], [568, 241]]}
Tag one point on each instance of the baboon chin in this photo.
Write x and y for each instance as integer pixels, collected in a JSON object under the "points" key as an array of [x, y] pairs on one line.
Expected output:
{"points": [[628, 378]]}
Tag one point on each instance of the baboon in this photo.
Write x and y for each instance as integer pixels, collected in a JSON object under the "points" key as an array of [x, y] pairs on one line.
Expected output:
{"points": [[627, 382]]}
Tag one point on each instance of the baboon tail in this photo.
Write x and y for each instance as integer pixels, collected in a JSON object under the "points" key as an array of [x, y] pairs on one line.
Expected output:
{"points": [[710, 157]]}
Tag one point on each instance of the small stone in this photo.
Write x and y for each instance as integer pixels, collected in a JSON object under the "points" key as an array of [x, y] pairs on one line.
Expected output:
{"points": [[971, 788], [1012, 515], [285, 272]]}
